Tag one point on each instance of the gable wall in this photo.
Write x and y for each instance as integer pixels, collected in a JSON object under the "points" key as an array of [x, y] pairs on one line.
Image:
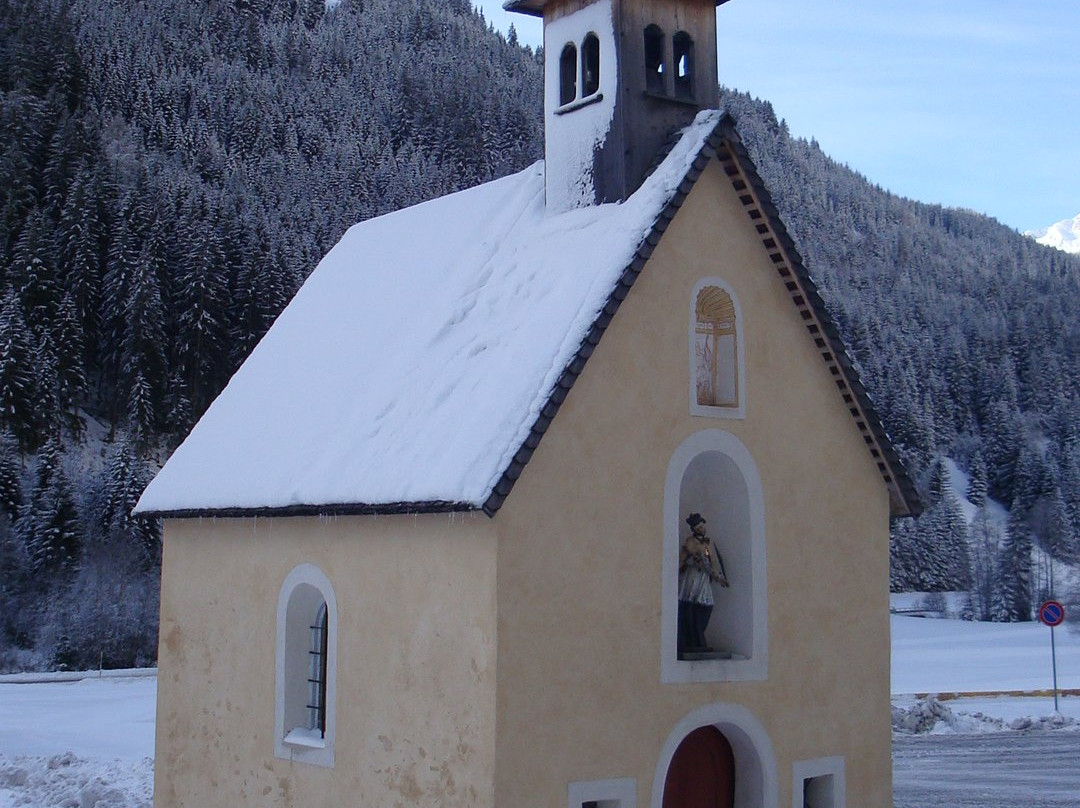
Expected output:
{"points": [[415, 661], [579, 585]]}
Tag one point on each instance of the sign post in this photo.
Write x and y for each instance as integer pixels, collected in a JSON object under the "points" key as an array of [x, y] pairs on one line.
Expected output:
{"points": [[1052, 614]]}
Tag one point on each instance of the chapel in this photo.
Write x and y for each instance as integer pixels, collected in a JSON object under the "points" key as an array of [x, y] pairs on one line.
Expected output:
{"points": [[559, 491]]}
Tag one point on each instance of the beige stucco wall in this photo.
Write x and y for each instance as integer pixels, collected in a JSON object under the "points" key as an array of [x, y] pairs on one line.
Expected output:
{"points": [[415, 674], [580, 551]]}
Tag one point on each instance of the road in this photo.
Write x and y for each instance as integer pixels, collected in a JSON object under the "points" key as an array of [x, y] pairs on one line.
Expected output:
{"points": [[1030, 769]]}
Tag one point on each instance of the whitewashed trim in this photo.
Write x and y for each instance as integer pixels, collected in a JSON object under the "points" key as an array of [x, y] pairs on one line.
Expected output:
{"points": [[621, 791], [323, 754], [738, 412], [756, 781], [803, 770], [756, 668]]}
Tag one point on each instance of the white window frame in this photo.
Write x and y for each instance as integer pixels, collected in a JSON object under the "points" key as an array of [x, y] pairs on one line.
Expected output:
{"points": [[831, 767], [617, 793], [289, 744]]}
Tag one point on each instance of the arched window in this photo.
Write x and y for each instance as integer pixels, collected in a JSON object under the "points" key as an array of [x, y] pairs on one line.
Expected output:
{"points": [[567, 74], [716, 358], [654, 59], [682, 48], [305, 667], [590, 65]]}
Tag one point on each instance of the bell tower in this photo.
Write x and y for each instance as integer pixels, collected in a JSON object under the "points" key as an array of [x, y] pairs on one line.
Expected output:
{"points": [[620, 76]]}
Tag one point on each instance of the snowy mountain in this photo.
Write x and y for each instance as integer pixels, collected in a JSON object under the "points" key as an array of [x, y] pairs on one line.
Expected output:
{"points": [[1065, 235]]}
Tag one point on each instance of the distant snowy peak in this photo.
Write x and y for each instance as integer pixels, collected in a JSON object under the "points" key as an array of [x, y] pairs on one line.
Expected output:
{"points": [[1065, 235]]}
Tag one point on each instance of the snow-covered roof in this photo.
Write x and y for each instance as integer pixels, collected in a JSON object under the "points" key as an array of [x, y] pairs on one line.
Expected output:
{"points": [[421, 362], [412, 364]]}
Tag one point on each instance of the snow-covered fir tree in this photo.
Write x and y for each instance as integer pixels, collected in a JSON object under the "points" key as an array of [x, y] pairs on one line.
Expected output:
{"points": [[1014, 594]]}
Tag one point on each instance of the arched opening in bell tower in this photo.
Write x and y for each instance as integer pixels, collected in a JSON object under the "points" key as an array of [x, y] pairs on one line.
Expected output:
{"points": [[654, 60]]}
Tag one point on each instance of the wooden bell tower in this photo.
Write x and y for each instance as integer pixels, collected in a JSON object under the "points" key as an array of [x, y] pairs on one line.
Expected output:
{"points": [[620, 77]]}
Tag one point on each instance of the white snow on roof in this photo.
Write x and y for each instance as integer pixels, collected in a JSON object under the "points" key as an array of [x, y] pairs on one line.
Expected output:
{"points": [[413, 362]]}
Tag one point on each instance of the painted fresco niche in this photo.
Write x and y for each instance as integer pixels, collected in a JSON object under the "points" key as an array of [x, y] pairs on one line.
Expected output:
{"points": [[716, 352], [712, 477]]}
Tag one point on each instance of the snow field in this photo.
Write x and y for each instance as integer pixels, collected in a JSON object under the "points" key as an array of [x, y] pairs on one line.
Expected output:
{"points": [[950, 657], [954, 656], [77, 744]]}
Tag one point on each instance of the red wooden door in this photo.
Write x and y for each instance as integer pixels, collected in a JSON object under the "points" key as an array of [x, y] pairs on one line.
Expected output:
{"points": [[702, 772]]}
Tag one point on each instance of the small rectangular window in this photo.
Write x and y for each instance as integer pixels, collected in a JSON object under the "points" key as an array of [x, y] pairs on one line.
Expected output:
{"points": [[818, 792], [818, 783], [618, 793]]}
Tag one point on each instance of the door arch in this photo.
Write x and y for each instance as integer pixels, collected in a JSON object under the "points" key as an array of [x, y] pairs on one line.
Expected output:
{"points": [[702, 772], [756, 783]]}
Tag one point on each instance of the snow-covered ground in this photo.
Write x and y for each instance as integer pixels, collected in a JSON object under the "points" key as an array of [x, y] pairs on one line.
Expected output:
{"points": [[87, 743], [954, 656], [83, 744], [987, 663]]}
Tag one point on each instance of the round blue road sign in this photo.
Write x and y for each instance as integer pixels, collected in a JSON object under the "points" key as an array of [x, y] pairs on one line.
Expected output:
{"points": [[1052, 613]]}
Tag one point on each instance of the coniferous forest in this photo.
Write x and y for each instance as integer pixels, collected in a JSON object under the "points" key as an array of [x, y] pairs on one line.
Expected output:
{"points": [[173, 169]]}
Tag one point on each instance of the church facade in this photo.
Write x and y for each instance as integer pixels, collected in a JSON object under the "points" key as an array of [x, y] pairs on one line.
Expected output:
{"points": [[453, 573]]}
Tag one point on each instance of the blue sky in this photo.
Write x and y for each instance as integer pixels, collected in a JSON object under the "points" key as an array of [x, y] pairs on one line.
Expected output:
{"points": [[967, 103]]}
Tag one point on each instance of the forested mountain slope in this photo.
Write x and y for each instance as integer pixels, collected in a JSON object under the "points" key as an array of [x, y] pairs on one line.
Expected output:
{"points": [[967, 334], [172, 170]]}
